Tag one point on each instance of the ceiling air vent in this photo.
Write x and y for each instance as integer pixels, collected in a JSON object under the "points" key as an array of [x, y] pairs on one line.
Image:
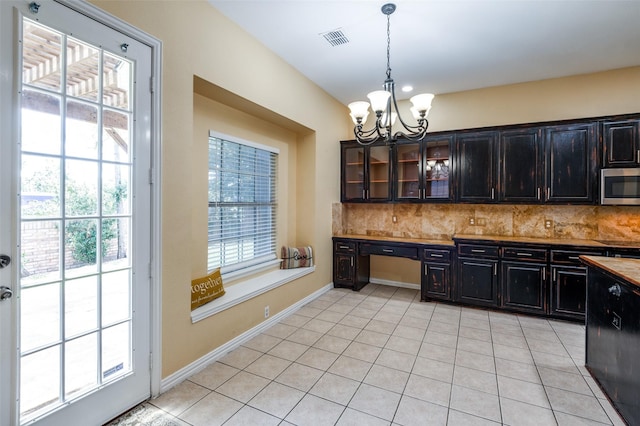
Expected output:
{"points": [[335, 37]]}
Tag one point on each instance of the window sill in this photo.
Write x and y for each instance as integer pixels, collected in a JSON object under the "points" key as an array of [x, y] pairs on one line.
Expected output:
{"points": [[249, 289]]}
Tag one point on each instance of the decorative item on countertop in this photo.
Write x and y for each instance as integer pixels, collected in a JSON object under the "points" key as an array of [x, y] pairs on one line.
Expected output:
{"points": [[296, 257], [206, 289]]}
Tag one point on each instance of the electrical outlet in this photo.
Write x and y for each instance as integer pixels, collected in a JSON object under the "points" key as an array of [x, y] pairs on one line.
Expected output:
{"points": [[548, 223], [266, 311], [394, 219], [472, 221], [481, 221]]}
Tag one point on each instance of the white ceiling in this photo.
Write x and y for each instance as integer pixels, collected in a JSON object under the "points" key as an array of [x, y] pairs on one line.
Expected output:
{"points": [[443, 46]]}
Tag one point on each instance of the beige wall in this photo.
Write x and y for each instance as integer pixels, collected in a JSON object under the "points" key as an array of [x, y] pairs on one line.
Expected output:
{"points": [[236, 81], [237, 78]]}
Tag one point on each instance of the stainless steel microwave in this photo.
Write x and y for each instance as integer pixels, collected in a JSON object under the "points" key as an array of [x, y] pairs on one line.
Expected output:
{"points": [[620, 186]]}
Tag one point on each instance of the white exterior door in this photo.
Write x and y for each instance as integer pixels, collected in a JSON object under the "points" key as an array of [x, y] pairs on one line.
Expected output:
{"points": [[75, 209]]}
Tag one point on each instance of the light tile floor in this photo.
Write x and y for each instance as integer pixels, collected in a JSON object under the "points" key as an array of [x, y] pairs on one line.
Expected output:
{"points": [[382, 357]]}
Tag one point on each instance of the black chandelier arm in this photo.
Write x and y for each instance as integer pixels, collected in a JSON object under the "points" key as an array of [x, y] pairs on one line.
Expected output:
{"points": [[409, 128], [413, 136], [366, 137]]}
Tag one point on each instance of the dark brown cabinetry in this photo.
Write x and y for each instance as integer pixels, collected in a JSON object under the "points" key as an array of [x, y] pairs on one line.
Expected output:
{"points": [[521, 171], [477, 167], [524, 279], [621, 143], [477, 279], [350, 269], [571, 163], [568, 292], [613, 340], [422, 169], [366, 172], [436, 274]]}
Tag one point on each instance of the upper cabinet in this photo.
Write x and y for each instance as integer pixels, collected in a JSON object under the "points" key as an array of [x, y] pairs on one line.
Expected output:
{"points": [[477, 166], [423, 169], [571, 163], [621, 143], [521, 166], [366, 172], [539, 163]]}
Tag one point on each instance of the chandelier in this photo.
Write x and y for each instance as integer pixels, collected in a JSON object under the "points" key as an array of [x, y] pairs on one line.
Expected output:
{"points": [[383, 103]]}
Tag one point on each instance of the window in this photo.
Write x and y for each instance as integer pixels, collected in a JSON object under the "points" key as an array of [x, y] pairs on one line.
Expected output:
{"points": [[242, 203]]}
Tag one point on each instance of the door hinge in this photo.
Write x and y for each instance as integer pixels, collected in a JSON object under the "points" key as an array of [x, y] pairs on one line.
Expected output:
{"points": [[151, 84]]}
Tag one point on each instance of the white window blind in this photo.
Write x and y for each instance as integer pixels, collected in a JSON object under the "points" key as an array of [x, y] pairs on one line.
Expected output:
{"points": [[242, 203]]}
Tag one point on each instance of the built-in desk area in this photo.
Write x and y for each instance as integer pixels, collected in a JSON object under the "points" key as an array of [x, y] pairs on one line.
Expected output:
{"points": [[520, 274]]}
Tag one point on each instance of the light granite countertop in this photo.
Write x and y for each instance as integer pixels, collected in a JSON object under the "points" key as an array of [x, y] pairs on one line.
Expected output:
{"points": [[498, 239], [625, 268]]}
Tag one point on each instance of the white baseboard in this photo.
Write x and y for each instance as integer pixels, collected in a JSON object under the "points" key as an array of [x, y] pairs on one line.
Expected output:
{"points": [[199, 364], [374, 280]]}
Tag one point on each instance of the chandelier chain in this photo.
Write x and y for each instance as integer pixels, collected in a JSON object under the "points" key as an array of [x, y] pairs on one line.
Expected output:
{"points": [[389, 46]]}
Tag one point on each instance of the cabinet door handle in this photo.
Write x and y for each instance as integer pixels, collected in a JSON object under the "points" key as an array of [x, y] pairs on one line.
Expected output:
{"points": [[435, 255], [387, 250], [538, 193], [477, 251], [574, 257], [495, 269], [548, 192], [343, 247], [493, 193], [524, 254], [554, 274], [544, 273], [615, 290], [638, 156], [352, 262]]}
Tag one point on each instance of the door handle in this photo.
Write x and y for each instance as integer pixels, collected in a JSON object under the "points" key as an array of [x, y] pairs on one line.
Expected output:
{"points": [[4, 261], [5, 293], [615, 290]]}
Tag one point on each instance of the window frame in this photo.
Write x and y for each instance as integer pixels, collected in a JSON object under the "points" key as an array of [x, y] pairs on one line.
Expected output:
{"points": [[264, 260]]}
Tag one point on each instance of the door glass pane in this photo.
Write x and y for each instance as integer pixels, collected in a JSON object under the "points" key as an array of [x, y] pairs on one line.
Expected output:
{"points": [[408, 182], [80, 305], [379, 172], [39, 380], [81, 247], [116, 350], [116, 243], [41, 122], [116, 139], [82, 70], [117, 82], [40, 252], [80, 365], [437, 165], [40, 182], [354, 173], [41, 56], [39, 316], [81, 187], [116, 292], [81, 130], [116, 186]]}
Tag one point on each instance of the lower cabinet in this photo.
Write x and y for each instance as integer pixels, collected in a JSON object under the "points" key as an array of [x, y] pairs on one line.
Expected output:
{"points": [[613, 341], [524, 286], [568, 292], [436, 275], [350, 270], [477, 279]]}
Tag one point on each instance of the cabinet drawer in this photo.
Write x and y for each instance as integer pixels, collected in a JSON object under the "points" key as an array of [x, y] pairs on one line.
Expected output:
{"points": [[388, 250], [344, 247], [437, 255], [572, 257], [537, 255], [478, 250]]}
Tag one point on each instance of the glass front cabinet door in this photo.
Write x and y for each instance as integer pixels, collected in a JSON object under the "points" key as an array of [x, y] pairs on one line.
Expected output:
{"points": [[366, 172], [423, 169]]}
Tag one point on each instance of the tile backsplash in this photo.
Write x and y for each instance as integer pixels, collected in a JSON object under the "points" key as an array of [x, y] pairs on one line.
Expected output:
{"points": [[441, 221]]}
